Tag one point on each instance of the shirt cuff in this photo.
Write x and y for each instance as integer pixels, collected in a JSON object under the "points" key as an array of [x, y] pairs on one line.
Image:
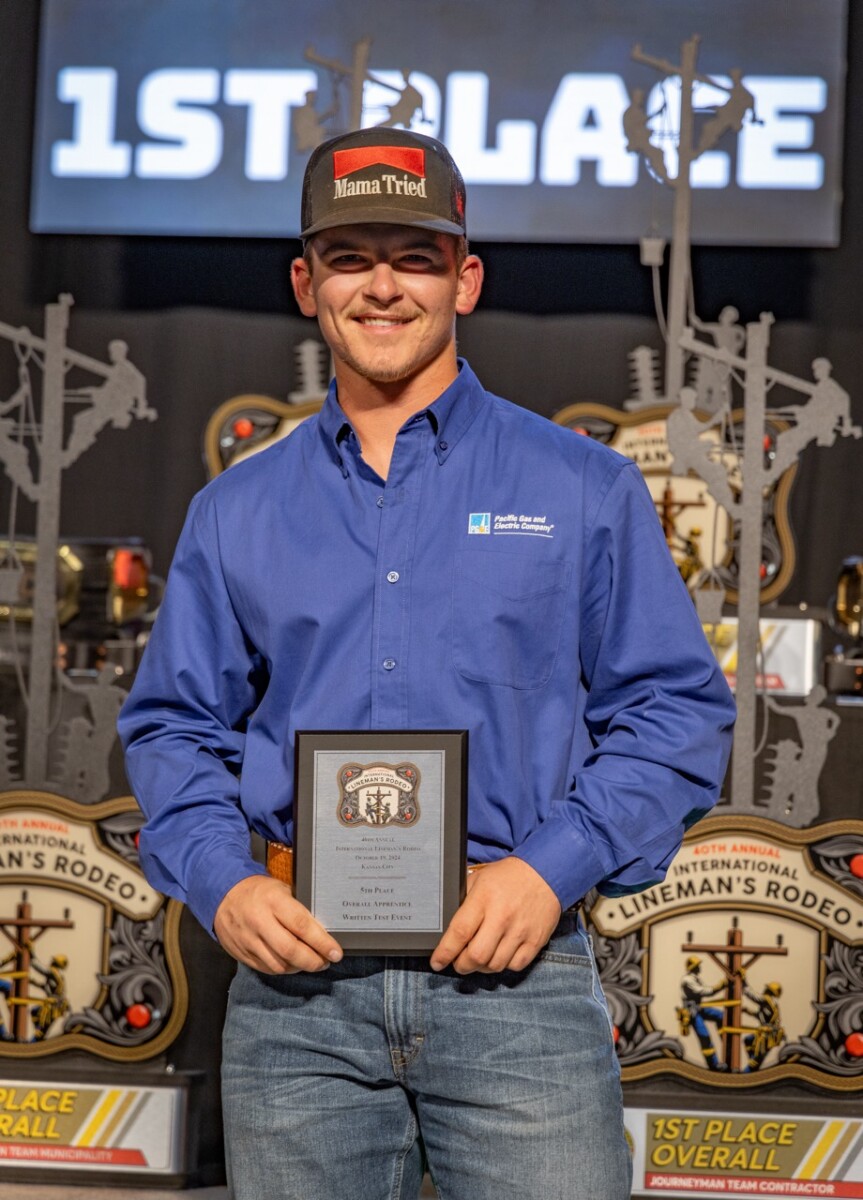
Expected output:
{"points": [[559, 853], [207, 894]]}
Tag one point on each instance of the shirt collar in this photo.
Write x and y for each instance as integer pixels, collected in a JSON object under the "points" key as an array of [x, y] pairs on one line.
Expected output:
{"points": [[451, 415], [455, 410]]}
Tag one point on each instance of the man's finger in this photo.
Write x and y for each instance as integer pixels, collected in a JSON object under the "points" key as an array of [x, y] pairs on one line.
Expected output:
{"points": [[504, 955], [260, 923], [306, 929], [459, 932]]}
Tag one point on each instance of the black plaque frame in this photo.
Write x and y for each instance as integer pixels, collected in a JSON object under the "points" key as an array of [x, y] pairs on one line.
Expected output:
{"points": [[454, 744]]}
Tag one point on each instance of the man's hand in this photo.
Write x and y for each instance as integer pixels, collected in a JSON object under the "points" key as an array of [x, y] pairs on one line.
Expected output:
{"points": [[508, 915], [261, 924]]}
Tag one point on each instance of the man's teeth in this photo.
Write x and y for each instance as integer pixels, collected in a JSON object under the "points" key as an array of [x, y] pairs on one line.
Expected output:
{"points": [[384, 321]]}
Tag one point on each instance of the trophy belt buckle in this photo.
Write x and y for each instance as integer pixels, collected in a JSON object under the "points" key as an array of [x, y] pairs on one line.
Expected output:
{"points": [[280, 864]]}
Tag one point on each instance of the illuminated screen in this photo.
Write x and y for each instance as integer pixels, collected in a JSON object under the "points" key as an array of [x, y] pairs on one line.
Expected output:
{"points": [[197, 117]]}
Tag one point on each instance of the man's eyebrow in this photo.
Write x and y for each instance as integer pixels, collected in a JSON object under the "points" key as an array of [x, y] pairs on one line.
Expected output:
{"points": [[424, 244], [338, 247]]}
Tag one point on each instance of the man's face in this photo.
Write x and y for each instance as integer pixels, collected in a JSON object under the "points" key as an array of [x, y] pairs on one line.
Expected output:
{"points": [[386, 297]]}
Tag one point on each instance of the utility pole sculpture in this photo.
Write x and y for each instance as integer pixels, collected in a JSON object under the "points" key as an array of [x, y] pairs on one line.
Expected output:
{"points": [[312, 127], [34, 454], [737, 482], [22, 931], [734, 958], [825, 417]]}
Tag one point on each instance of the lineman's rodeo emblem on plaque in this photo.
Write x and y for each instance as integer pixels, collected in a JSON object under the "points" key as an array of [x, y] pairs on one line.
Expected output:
{"points": [[90, 957], [380, 794], [746, 964]]}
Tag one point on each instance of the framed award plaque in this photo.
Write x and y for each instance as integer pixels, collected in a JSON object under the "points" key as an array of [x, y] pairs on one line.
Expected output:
{"points": [[380, 821]]}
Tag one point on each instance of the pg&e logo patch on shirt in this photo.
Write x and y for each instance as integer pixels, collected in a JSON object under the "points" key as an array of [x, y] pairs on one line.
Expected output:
{"points": [[479, 523]]}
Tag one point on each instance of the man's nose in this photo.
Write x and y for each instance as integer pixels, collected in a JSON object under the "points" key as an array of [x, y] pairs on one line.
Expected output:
{"points": [[383, 285]]}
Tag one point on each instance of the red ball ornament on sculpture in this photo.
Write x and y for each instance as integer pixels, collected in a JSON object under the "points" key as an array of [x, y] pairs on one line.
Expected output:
{"points": [[854, 1045], [856, 866], [615, 1034], [243, 427], [139, 1016]]}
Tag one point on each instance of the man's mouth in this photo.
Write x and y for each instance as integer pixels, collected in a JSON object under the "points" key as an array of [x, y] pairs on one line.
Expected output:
{"points": [[382, 322]]}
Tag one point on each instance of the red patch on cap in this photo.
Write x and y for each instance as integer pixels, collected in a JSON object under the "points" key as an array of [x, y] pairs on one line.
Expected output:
{"points": [[405, 158]]}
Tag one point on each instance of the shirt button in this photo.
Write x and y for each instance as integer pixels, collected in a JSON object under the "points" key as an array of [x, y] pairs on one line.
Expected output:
{"points": [[392, 577], [389, 663], [443, 445], [380, 502]]}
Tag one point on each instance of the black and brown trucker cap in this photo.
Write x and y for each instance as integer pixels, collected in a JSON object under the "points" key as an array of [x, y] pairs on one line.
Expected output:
{"points": [[385, 176]]}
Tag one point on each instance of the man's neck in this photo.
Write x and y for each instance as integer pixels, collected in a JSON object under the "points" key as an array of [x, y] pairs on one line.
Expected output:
{"points": [[377, 411]]}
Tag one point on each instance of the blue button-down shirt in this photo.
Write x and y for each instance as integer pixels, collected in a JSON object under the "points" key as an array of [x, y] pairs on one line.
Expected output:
{"points": [[509, 577]]}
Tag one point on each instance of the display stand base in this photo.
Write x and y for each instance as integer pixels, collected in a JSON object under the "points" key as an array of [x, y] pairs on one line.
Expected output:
{"points": [[748, 1146], [78, 1126]]}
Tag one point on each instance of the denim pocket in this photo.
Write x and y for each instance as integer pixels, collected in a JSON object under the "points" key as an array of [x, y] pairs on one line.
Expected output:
{"points": [[569, 943], [507, 617]]}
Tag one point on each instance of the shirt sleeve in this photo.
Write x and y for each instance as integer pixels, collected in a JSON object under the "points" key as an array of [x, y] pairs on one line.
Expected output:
{"points": [[658, 712], [183, 729]]}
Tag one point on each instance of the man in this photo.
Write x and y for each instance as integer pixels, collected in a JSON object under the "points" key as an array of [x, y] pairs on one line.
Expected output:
{"points": [[351, 578], [769, 1033], [694, 1013]]}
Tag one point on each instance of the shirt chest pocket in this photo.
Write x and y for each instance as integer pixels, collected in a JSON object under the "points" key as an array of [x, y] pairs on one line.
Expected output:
{"points": [[508, 614]]}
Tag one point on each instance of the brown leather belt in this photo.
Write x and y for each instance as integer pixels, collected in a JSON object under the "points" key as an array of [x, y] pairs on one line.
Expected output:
{"points": [[280, 862]]}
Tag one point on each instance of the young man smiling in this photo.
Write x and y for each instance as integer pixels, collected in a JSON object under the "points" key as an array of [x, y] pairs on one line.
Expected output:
{"points": [[386, 298], [354, 577]]}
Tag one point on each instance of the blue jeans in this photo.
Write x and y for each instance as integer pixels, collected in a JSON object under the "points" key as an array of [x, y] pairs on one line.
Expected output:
{"points": [[344, 1085]]}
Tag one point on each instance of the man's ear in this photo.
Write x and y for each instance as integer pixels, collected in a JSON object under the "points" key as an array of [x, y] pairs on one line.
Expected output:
{"points": [[469, 285], [301, 281]]}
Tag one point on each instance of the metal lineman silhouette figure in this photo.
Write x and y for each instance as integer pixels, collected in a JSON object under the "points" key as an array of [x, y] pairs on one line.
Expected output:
{"points": [[794, 767], [408, 104], [712, 378], [637, 131], [83, 773], [691, 452], [730, 117], [310, 126], [13, 451], [120, 398], [825, 417], [34, 456]]}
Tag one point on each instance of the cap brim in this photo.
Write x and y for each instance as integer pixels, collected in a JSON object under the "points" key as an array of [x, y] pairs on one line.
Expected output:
{"points": [[379, 216]]}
